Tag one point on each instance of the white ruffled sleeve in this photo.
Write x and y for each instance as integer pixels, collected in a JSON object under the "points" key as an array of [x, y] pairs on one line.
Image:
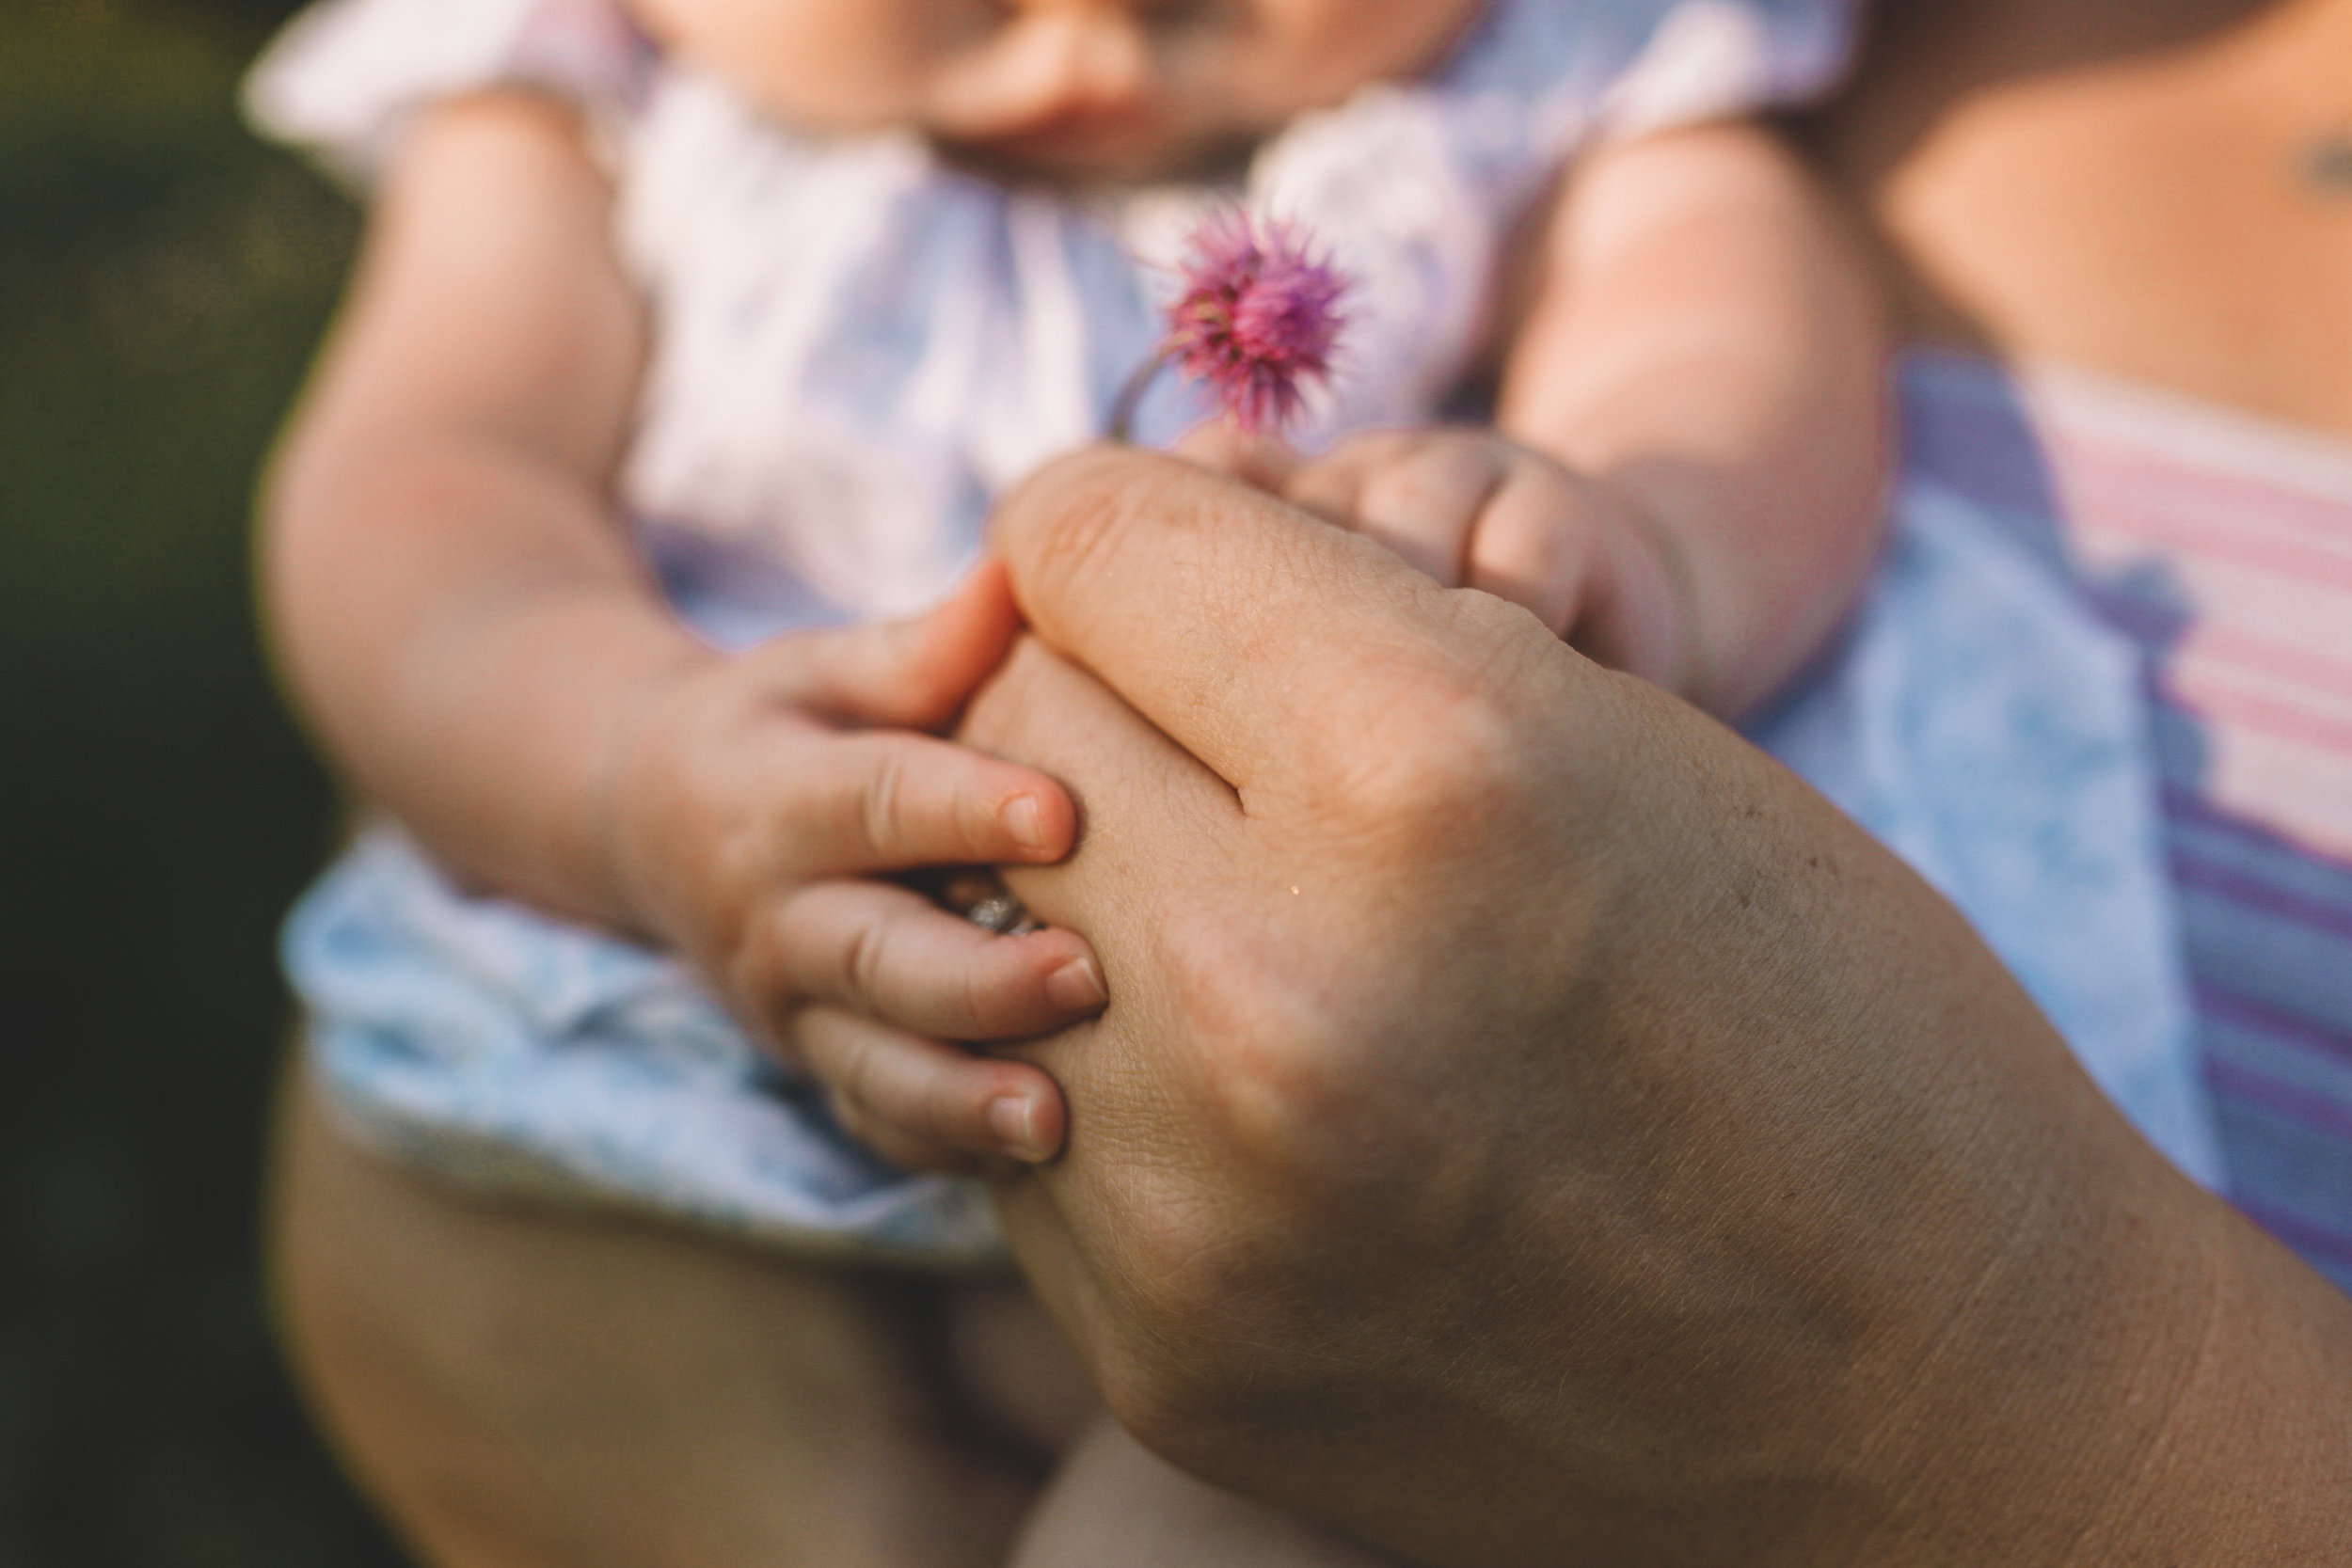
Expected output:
{"points": [[1711, 60], [346, 77]]}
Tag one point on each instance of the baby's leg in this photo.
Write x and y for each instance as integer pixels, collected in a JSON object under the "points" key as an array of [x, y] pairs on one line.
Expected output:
{"points": [[1114, 1501], [522, 1389]]}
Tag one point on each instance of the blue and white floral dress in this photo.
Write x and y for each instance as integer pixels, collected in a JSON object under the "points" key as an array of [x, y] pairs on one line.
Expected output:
{"points": [[855, 348]]}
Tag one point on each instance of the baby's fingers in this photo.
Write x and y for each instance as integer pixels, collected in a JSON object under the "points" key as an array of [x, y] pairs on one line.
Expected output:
{"points": [[1225, 446], [1585, 559], [890, 954], [912, 674], [1535, 543], [889, 800], [925, 1104], [1417, 492]]}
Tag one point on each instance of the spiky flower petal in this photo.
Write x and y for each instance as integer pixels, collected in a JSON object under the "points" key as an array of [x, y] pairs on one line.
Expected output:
{"points": [[1259, 318]]}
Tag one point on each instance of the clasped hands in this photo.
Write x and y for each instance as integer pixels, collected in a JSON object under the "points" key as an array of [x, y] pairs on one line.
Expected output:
{"points": [[1528, 1126], [761, 805]]}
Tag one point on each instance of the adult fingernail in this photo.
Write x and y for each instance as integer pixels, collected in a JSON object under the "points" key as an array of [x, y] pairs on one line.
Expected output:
{"points": [[1014, 1122], [1077, 987], [1025, 818]]}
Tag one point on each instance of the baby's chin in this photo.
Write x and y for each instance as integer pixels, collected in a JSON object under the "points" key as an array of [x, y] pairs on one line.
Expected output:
{"points": [[1098, 162]]}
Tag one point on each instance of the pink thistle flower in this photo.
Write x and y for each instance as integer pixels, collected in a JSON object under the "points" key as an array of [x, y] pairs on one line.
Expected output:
{"points": [[1258, 319]]}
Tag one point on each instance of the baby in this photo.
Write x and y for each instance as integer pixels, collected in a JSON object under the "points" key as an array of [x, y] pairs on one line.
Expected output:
{"points": [[690, 343]]}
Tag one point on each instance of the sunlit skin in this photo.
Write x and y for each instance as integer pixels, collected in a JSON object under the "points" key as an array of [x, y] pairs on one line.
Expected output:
{"points": [[2103, 1366], [1682, 481], [2130, 193]]}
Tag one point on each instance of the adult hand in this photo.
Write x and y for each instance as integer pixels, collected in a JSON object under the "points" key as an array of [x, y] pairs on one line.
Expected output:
{"points": [[1532, 1128]]}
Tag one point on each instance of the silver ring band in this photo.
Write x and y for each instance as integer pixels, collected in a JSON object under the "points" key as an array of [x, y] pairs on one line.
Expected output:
{"points": [[1002, 913]]}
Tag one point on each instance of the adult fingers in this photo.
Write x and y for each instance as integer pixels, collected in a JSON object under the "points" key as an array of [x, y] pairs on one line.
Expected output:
{"points": [[923, 1093], [883, 801], [1155, 817], [912, 673], [1254, 635], [890, 954]]}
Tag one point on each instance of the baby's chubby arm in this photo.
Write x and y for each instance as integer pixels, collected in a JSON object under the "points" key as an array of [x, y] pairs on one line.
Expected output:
{"points": [[1708, 343], [462, 621], [1686, 472]]}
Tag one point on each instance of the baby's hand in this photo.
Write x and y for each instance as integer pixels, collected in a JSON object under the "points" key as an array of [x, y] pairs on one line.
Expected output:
{"points": [[758, 801], [1475, 510]]}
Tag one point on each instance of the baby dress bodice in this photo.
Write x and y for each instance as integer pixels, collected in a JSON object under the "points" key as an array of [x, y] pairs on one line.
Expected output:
{"points": [[856, 347]]}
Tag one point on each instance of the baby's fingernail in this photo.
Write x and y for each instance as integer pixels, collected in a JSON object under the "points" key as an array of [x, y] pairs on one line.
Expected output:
{"points": [[1014, 1122], [1025, 818], [1077, 987]]}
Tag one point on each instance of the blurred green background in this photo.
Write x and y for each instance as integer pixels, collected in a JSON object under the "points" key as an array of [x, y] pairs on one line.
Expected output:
{"points": [[163, 278]]}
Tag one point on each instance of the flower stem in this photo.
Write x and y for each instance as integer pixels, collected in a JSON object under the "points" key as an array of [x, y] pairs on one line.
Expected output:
{"points": [[1121, 426]]}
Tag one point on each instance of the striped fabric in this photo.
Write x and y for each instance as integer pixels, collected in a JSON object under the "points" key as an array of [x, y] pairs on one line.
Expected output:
{"points": [[2223, 545]]}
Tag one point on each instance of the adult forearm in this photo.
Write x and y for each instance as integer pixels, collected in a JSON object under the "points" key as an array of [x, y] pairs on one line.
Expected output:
{"points": [[2249, 1458], [2123, 1371], [1706, 339]]}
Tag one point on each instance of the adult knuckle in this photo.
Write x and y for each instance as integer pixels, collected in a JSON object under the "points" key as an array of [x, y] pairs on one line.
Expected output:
{"points": [[1438, 753], [1069, 512], [1279, 1063]]}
